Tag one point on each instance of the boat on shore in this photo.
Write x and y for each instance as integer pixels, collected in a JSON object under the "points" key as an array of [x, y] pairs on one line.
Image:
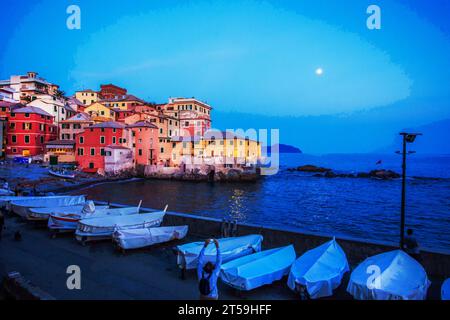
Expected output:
{"points": [[21, 207], [319, 270], [140, 238], [400, 277], [258, 269], [62, 174], [103, 228], [5, 201], [43, 214], [230, 248], [68, 222]]}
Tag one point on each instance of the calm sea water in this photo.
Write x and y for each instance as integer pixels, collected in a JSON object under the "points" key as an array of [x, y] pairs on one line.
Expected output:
{"points": [[357, 208]]}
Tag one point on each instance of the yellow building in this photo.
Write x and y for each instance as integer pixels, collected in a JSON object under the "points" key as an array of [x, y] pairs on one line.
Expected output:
{"points": [[100, 110], [216, 148], [87, 97]]}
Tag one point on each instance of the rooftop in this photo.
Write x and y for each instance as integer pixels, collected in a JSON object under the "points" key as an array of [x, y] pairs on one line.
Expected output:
{"points": [[108, 124], [61, 142], [142, 124], [31, 109], [79, 117]]}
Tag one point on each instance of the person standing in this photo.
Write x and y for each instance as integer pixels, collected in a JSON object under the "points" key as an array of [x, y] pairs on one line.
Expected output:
{"points": [[208, 273]]}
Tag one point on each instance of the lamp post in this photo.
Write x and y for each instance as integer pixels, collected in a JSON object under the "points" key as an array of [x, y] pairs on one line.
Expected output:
{"points": [[407, 138]]}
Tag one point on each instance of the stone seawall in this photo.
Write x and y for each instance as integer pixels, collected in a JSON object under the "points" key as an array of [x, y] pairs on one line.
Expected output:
{"points": [[436, 264]]}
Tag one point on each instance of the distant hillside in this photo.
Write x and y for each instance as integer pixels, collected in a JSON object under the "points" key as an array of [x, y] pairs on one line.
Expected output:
{"points": [[285, 148], [434, 140]]}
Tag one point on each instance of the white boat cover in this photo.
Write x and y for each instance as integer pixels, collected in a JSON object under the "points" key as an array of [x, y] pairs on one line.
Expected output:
{"points": [[400, 278], [445, 291], [230, 248], [64, 221], [44, 213], [139, 238], [258, 269], [21, 207], [5, 200], [6, 192], [320, 270], [105, 226]]}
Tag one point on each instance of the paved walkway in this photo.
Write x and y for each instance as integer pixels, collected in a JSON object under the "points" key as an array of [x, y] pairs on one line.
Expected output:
{"points": [[106, 274]]}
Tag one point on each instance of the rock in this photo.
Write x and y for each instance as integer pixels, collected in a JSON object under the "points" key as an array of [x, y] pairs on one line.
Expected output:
{"points": [[384, 174], [330, 174], [311, 168]]}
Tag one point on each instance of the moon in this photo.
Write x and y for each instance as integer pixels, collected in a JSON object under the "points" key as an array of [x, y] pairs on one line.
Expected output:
{"points": [[319, 71]]}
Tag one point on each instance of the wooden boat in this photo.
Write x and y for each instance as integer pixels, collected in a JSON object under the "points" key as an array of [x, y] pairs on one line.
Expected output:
{"points": [[140, 238], [258, 269], [319, 270], [63, 222], [43, 214], [21, 207], [63, 174], [102, 228], [230, 248]]}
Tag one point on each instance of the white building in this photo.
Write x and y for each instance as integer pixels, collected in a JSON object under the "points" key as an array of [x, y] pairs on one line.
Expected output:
{"points": [[28, 85], [57, 108], [118, 159]]}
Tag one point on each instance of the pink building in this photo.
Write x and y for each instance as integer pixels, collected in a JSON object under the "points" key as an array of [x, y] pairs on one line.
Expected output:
{"points": [[145, 142]]}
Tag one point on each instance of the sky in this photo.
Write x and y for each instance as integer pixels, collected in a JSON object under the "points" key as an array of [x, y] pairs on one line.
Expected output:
{"points": [[254, 61]]}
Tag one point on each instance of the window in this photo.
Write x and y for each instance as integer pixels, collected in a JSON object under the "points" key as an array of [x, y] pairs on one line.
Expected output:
{"points": [[14, 150], [27, 115], [13, 114], [81, 140], [160, 131], [186, 124], [102, 152], [91, 165], [42, 139], [92, 151], [81, 151], [12, 125], [102, 139], [162, 150], [140, 152], [221, 142], [13, 139], [27, 139], [55, 108], [114, 140]]}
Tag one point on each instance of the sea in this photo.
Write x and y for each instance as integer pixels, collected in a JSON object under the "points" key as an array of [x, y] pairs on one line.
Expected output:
{"points": [[352, 208]]}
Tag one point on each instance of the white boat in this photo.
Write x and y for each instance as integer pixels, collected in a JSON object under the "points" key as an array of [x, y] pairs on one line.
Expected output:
{"points": [[320, 270], [258, 269], [62, 174], [5, 201], [6, 192], [103, 228], [43, 214], [392, 275], [140, 238], [445, 290], [230, 248], [21, 207], [63, 222]]}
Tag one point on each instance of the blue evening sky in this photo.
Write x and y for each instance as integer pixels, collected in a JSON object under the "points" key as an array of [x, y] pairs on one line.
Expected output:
{"points": [[254, 61]]}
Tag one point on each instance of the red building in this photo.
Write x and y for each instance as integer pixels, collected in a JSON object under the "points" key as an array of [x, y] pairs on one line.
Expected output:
{"points": [[91, 144], [28, 130], [110, 91]]}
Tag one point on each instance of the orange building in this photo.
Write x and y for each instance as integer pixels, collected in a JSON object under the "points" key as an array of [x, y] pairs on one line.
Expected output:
{"points": [[145, 142]]}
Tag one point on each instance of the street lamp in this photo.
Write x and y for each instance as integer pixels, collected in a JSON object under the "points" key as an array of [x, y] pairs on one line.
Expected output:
{"points": [[407, 138]]}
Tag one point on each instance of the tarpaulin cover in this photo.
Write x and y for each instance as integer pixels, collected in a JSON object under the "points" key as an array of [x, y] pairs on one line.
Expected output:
{"points": [[5, 200], [400, 277], [62, 221], [105, 226], [21, 207], [44, 213], [139, 238], [230, 248], [445, 291], [320, 270], [258, 269]]}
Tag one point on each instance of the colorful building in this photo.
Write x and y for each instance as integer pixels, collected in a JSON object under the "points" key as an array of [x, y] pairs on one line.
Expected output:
{"points": [[144, 142], [60, 151], [92, 142], [118, 159], [194, 116], [69, 128], [87, 97], [111, 91], [28, 86], [29, 128], [125, 102], [100, 110]]}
